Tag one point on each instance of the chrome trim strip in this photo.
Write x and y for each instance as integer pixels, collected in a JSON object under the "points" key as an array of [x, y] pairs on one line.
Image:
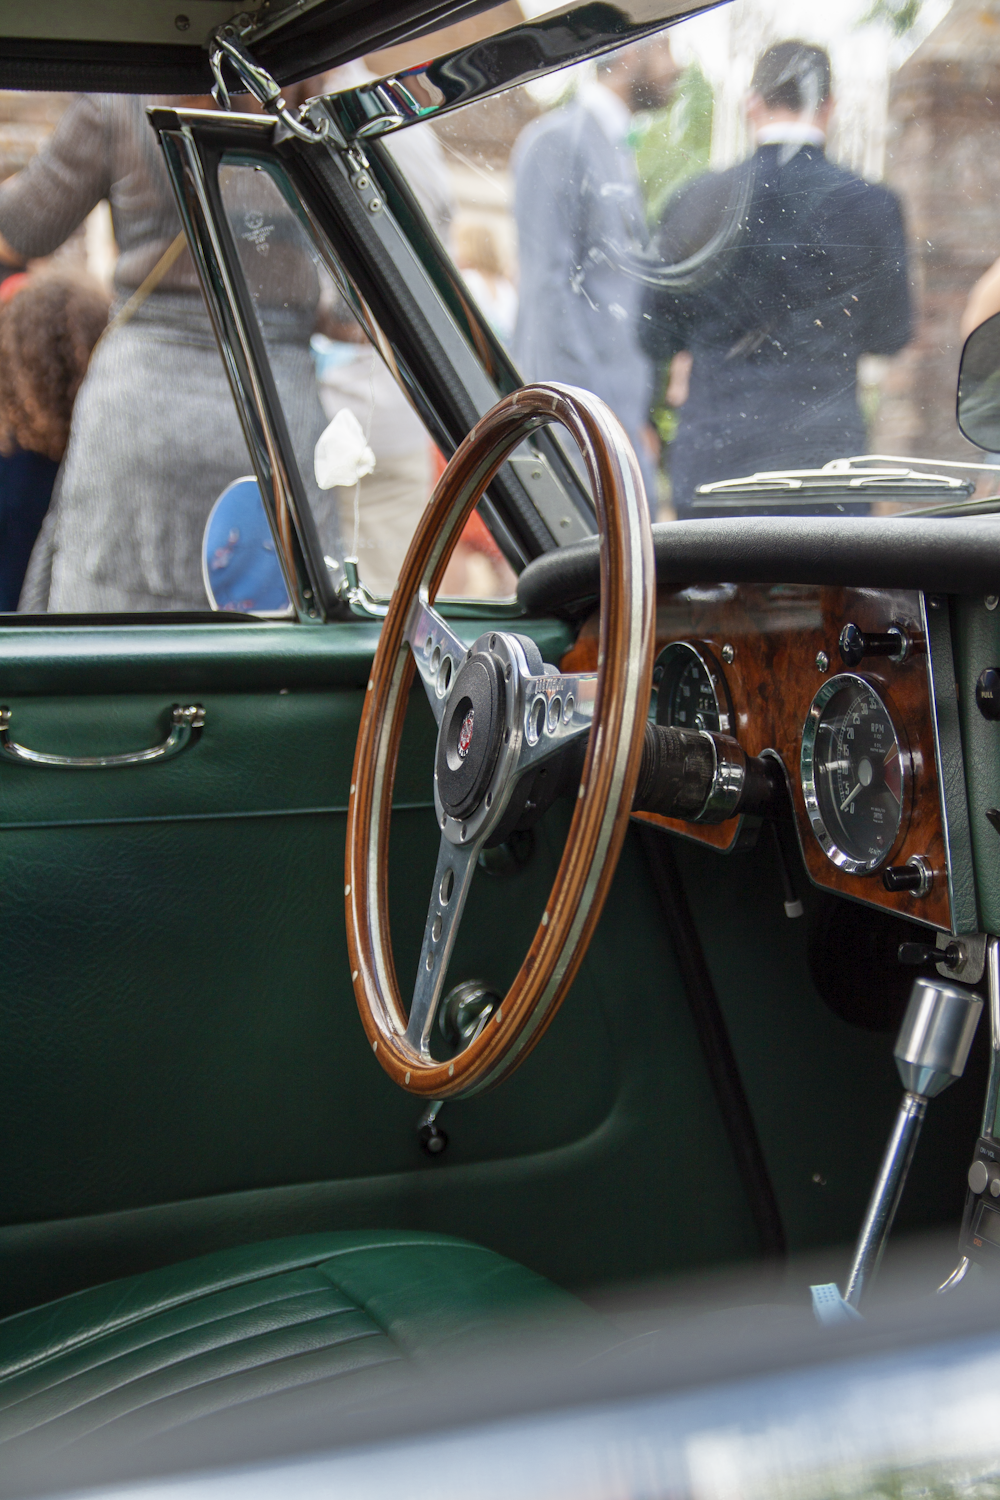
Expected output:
{"points": [[333, 809], [499, 62], [941, 681], [923, 868], [993, 993], [381, 792], [261, 422], [728, 778], [186, 724], [957, 1276]]}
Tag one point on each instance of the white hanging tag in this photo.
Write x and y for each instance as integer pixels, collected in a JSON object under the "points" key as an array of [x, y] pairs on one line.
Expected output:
{"points": [[342, 455]]}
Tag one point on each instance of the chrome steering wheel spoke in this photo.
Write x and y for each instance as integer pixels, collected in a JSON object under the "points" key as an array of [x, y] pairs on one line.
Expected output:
{"points": [[456, 865], [437, 651], [556, 710]]}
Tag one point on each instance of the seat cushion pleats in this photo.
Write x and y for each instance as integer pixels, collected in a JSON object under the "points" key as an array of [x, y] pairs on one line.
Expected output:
{"points": [[136, 1358]]}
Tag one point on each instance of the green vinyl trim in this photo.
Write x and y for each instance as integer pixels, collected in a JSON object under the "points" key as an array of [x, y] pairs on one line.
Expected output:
{"points": [[266, 812], [976, 640]]}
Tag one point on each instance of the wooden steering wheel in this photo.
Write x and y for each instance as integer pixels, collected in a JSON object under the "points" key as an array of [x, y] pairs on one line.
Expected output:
{"points": [[499, 715]]}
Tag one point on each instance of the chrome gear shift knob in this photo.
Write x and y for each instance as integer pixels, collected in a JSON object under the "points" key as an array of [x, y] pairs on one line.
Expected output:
{"points": [[934, 1039]]}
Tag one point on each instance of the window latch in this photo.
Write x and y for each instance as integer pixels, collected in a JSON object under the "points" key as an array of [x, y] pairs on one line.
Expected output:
{"points": [[226, 46]]}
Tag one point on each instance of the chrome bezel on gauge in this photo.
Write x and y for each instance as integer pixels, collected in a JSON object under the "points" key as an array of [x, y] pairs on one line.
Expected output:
{"points": [[667, 661], [807, 774]]}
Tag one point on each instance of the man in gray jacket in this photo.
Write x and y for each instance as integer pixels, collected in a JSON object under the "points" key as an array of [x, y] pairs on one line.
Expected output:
{"points": [[580, 221]]}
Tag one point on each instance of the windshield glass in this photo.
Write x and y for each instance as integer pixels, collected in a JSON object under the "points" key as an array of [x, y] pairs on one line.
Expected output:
{"points": [[750, 236]]}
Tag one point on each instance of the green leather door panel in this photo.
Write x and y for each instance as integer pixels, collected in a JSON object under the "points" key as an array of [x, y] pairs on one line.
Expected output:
{"points": [[193, 1030], [196, 1077]]}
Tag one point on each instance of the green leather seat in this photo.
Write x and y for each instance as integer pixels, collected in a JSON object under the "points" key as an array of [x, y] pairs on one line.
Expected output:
{"points": [[345, 1312]]}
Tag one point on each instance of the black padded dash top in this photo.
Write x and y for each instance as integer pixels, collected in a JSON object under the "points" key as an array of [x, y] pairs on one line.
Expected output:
{"points": [[938, 555]]}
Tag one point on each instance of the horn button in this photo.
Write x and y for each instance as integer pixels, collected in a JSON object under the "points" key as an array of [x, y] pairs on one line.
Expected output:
{"points": [[470, 735]]}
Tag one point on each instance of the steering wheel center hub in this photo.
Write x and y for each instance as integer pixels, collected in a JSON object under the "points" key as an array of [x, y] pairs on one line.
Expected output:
{"points": [[471, 733]]}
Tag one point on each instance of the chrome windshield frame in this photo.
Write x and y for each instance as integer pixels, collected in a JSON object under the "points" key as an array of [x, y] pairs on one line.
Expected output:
{"points": [[519, 55]]}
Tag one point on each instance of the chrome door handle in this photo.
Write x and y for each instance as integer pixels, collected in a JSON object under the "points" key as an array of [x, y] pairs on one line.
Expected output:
{"points": [[186, 724]]}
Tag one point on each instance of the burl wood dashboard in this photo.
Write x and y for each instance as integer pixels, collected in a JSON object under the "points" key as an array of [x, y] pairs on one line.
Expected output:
{"points": [[775, 646]]}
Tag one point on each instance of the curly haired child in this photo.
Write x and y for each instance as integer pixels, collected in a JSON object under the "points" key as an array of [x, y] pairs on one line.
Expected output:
{"points": [[49, 324]]}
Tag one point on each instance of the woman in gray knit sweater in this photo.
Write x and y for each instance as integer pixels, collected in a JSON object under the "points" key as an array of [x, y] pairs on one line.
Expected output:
{"points": [[155, 435]]}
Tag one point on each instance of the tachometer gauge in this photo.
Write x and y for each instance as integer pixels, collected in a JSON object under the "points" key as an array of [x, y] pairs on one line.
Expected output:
{"points": [[692, 692], [855, 774]]}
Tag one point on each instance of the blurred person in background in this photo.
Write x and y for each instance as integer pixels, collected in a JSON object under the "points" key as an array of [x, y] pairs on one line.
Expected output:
{"points": [[580, 223], [155, 437], [478, 259], [774, 277], [49, 324]]}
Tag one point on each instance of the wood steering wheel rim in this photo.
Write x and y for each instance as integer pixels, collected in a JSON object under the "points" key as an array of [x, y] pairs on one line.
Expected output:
{"points": [[600, 818]]}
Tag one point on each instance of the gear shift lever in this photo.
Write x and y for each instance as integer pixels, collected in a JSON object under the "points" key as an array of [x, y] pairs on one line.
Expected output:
{"points": [[931, 1051]]}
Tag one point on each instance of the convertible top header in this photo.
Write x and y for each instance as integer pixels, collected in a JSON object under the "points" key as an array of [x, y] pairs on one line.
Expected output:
{"points": [[160, 46]]}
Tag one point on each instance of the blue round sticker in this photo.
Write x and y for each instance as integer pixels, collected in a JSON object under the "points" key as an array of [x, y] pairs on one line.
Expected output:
{"points": [[239, 562]]}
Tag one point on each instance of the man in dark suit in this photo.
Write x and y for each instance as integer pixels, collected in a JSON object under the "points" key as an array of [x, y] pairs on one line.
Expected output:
{"points": [[775, 276], [580, 223]]}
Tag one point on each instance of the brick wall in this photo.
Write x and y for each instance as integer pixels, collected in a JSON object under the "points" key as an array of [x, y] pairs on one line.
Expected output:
{"points": [[943, 159]]}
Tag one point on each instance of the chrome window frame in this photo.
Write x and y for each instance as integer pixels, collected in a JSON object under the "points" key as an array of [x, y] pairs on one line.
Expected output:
{"points": [[454, 375], [192, 146]]}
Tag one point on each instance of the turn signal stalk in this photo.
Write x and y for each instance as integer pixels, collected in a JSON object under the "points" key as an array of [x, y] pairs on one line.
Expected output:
{"points": [[700, 777]]}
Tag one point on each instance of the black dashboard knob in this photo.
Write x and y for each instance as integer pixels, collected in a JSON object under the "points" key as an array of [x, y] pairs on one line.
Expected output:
{"points": [[918, 954], [988, 693], [916, 876], [902, 878], [855, 644], [921, 955]]}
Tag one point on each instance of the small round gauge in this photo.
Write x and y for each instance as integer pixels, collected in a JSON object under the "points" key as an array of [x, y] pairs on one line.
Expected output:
{"points": [[855, 774], [692, 692]]}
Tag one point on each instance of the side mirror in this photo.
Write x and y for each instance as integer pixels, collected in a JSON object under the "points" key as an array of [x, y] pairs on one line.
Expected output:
{"points": [[238, 562], [978, 408]]}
